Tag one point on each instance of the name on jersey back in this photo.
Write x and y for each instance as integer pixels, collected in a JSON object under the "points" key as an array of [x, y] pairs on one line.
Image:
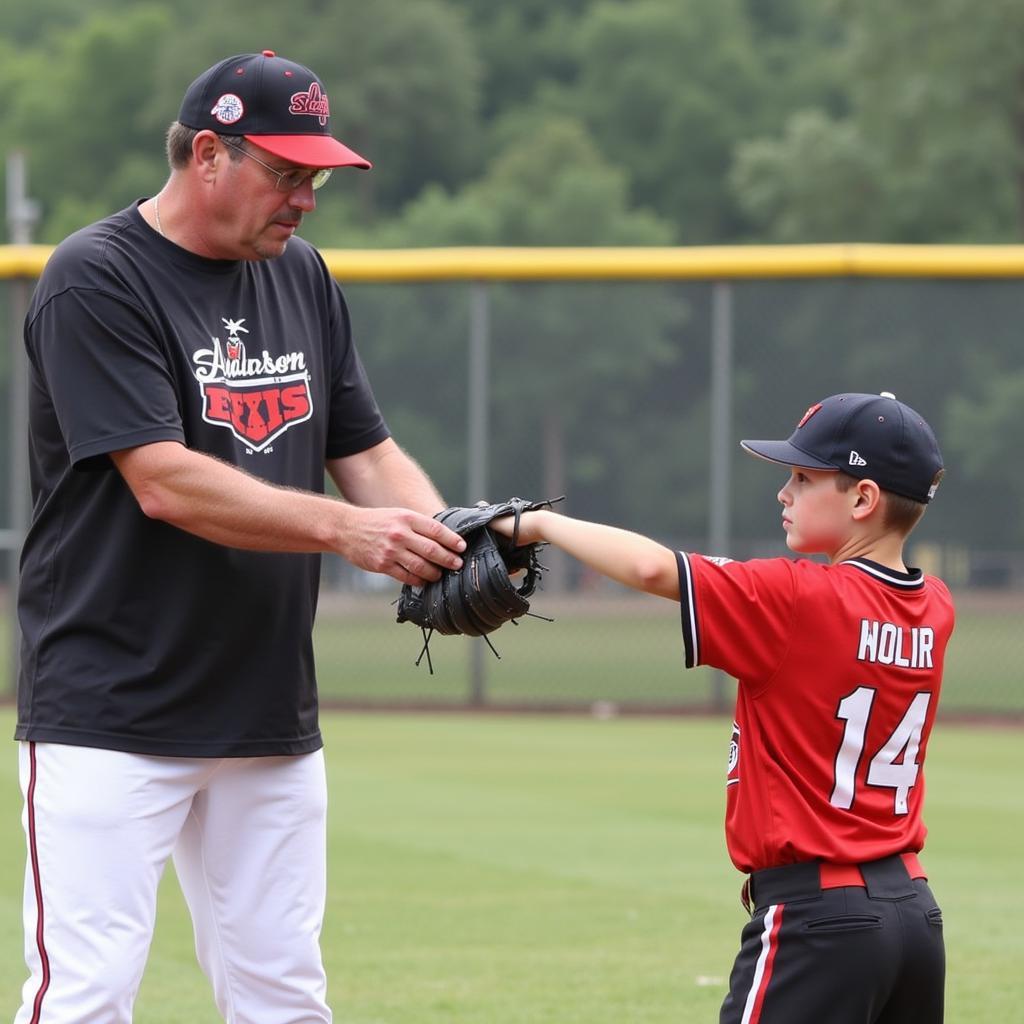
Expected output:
{"points": [[902, 646]]}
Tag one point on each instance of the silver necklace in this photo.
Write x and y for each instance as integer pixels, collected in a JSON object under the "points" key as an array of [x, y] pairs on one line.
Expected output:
{"points": [[156, 211]]}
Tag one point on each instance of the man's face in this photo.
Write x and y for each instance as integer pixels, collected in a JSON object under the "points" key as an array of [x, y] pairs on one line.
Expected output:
{"points": [[255, 219]]}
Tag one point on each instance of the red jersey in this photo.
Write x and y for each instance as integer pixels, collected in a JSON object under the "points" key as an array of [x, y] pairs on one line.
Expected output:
{"points": [[839, 670]]}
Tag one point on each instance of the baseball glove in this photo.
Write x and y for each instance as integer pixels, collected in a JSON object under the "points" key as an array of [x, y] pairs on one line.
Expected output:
{"points": [[480, 597]]}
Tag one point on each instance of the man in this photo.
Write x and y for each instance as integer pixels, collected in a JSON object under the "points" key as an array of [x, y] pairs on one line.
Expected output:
{"points": [[192, 374]]}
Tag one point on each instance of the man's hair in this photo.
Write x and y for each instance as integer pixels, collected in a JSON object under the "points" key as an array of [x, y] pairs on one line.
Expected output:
{"points": [[899, 513], [179, 145]]}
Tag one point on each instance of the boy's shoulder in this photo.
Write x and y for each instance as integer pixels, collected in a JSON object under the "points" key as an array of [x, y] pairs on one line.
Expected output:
{"points": [[806, 575]]}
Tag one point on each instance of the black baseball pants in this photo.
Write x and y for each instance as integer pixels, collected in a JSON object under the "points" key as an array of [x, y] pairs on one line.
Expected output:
{"points": [[871, 954]]}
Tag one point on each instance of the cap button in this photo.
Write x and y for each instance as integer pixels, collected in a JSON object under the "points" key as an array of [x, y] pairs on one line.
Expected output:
{"points": [[887, 394], [269, 53]]}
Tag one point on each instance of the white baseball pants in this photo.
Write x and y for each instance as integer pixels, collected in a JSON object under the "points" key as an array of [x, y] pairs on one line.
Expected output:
{"points": [[248, 836]]}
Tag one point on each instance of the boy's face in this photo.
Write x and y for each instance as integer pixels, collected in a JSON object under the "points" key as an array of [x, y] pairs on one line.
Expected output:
{"points": [[815, 513]]}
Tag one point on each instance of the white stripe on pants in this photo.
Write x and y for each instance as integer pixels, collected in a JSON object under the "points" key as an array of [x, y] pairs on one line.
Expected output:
{"points": [[248, 837]]}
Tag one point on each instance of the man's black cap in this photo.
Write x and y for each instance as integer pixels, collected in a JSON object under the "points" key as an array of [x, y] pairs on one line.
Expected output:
{"points": [[871, 437], [275, 103]]}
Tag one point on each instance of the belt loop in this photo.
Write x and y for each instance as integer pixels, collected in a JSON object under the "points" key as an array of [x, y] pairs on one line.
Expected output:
{"points": [[783, 884], [888, 879], [745, 897]]}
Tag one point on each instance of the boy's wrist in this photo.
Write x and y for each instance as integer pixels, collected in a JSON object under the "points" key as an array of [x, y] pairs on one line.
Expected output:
{"points": [[532, 527]]}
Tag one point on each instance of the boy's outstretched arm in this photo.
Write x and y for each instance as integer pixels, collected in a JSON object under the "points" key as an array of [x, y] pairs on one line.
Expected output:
{"points": [[621, 555]]}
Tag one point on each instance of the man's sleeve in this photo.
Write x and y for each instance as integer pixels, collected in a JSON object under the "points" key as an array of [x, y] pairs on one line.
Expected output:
{"points": [[105, 374], [355, 422], [736, 616]]}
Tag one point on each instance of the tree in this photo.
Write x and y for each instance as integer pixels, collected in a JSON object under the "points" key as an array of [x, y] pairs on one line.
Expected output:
{"points": [[931, 146], [523, 47], [819, 182], [23, 24], [89, 134], [668, 89]]}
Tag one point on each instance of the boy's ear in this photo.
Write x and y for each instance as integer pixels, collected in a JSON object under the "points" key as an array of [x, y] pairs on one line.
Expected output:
{"points": [[867, 497]]}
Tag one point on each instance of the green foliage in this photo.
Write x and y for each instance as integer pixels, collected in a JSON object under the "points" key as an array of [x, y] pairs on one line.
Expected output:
{"points": [[984, 430], [523, 46], [668, 89], [90, 134], [731, 120], [550, 185], [23, 24], [928, 146], [818, 183]]}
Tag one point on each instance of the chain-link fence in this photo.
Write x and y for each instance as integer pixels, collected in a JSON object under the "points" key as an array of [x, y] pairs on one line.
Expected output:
{"points": [[630, 396]]}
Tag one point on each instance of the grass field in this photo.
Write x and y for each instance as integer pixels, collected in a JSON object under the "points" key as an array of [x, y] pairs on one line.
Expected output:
{"points": [[623, 651], [556, 870]]}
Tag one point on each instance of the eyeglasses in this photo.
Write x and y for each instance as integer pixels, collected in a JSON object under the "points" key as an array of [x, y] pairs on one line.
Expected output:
{"points": [[288, 181]]}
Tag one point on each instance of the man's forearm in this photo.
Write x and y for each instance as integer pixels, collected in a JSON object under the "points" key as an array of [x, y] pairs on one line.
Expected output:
{"points": [[225, 505], [386, 475]]}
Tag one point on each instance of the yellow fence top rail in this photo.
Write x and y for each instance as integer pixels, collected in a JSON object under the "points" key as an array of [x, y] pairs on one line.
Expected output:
{"points": [[853, 259]]}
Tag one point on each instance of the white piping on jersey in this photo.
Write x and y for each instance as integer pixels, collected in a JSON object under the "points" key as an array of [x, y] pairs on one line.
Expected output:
{"points": [[897, 579], [766, 945], [690, 609]]}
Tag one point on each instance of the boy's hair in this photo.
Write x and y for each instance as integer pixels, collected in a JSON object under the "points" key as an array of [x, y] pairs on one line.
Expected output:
{"points": [[899, 513]]}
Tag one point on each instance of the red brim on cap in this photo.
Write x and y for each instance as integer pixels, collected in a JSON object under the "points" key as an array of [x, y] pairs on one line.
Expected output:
{"points": [[311, 150]]}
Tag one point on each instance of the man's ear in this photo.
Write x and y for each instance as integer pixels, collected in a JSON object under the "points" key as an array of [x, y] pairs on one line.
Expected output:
{"points": [[207, 153], [867, 496]]}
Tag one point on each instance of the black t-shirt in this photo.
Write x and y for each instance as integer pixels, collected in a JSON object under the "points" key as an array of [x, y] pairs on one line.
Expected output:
{"points": [[136, 635]]}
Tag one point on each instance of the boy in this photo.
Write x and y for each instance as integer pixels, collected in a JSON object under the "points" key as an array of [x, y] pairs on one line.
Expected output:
{"points": [[839, 669]]}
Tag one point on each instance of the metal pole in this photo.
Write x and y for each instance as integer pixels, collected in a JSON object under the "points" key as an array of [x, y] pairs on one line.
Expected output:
{"points": [[720, 498], [22, 214], [477, 445]]}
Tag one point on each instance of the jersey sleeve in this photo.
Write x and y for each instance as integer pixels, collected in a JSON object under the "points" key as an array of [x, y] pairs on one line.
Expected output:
{"points": [[97, 358], [736, 616], [356, 422]]}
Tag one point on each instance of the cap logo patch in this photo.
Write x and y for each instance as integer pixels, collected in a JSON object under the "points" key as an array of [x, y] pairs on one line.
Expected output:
{"points": [[807, 415], [228, 109], [857, 459], [312, 102]]}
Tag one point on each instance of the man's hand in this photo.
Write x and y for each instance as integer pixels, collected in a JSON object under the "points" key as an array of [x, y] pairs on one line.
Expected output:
{"points": [[405, 545], [481, 597]]}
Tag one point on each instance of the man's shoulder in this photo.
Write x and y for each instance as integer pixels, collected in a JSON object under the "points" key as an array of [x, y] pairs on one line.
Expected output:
{"points": [[89, 247], [97, 234]]}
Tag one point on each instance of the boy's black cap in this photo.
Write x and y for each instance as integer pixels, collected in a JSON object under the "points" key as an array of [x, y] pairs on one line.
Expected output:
{"points": [[278, 105], [871, 437]]}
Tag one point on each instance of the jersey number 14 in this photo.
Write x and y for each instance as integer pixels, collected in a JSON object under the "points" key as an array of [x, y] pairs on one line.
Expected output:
{"points": [[884, 770]]}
